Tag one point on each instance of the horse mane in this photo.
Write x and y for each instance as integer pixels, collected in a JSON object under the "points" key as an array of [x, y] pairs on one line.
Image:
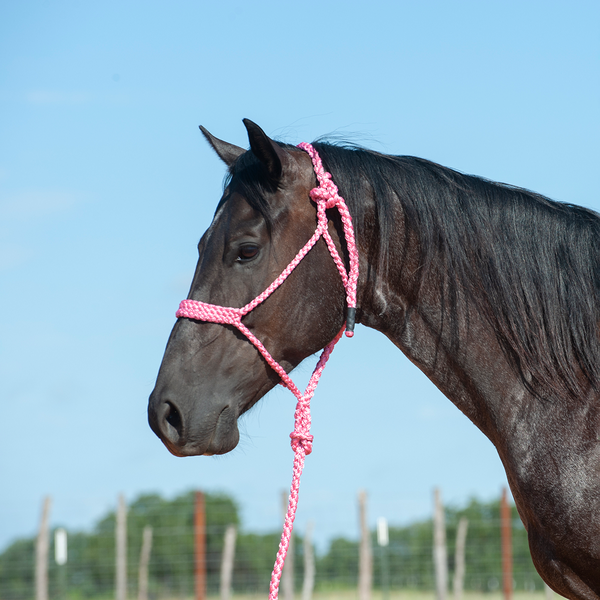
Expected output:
{"points": [[531, 265]]}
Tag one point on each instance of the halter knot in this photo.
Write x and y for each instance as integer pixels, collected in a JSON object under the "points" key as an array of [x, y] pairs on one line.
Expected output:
{"points": [[305, 440], [326, 192]]}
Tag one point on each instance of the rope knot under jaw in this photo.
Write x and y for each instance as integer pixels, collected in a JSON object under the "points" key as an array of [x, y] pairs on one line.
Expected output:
{"points": [[302, 439]]}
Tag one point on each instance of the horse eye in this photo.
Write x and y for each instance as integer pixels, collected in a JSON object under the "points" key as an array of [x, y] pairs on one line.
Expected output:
{"points": [[247, 252]]}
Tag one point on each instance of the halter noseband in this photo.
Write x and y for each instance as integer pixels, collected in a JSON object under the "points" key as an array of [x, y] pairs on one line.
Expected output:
{"points": [[325, 196]]}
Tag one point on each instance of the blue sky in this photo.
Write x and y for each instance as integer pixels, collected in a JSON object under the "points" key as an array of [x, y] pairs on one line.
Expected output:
{"points": [[106, 185]]}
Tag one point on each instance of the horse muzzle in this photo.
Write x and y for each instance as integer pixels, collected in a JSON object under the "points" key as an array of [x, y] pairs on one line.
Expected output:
{"points": [[189, 433]]}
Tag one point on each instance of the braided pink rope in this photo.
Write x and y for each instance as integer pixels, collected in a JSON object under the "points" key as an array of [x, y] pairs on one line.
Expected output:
{"points": [[325, 196]]}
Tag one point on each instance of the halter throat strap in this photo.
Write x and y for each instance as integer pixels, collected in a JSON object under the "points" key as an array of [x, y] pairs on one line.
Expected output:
{"points": [[327, 194]]}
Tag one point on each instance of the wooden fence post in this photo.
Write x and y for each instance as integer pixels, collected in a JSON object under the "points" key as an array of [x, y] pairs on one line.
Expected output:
{"points": [[41, 553], [144, 560], [227, 561], [459, 558], [506, 528], [287, 574], [309, 564], [365, 562], [200, 546], [440, 561], [121, 550]]}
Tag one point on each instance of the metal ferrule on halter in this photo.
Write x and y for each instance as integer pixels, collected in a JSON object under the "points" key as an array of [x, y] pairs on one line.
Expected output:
{"points": [[325, 196]]}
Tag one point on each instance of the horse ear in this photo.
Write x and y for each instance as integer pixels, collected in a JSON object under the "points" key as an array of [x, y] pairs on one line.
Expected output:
{"points": [[270, 153], [227, 152]]}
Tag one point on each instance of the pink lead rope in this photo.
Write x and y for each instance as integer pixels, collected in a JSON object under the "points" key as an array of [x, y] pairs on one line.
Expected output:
{"points": [[325, 196]]}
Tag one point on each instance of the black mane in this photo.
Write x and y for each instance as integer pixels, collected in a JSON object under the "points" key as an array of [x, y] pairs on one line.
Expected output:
{"points": [[532, 265]]}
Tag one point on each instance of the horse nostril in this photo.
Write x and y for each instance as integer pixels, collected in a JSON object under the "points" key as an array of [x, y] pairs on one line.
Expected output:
{"points": [[173, 418]]}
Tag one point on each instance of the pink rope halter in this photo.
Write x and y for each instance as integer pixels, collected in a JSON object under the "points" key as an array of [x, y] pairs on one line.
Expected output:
{"points": [[325, 196]]}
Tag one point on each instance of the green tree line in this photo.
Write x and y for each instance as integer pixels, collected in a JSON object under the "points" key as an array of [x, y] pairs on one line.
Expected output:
{"points": [[410, 553], [90, 570]]}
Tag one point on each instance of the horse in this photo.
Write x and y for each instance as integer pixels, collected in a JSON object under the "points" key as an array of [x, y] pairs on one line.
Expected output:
{"points": [[493, 291]]}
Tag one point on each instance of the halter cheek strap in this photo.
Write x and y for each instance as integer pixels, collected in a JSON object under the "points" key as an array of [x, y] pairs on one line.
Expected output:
{"points": [[325, 196]]}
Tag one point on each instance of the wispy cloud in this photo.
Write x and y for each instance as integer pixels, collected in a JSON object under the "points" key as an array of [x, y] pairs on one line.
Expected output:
{"points": [[46, 97], [13, 255], [49, 98], [434, 413], [31, 204]]}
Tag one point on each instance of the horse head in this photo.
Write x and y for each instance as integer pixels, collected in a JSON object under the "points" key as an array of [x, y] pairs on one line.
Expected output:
{"points": [[211, 374]]}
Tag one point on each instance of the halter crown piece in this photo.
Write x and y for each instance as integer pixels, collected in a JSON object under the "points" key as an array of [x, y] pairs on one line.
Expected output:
{"points": [[325, 196]]}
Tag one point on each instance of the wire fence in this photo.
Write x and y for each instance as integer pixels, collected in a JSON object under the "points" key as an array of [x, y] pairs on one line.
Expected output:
{"points": [[91, 566]]}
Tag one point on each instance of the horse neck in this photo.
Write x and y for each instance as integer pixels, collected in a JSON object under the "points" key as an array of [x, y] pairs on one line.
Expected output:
{"points": [[473, 373]]}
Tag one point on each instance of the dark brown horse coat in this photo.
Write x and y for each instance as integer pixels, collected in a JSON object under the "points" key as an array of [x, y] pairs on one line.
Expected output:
{"points": [[492, 291]]}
